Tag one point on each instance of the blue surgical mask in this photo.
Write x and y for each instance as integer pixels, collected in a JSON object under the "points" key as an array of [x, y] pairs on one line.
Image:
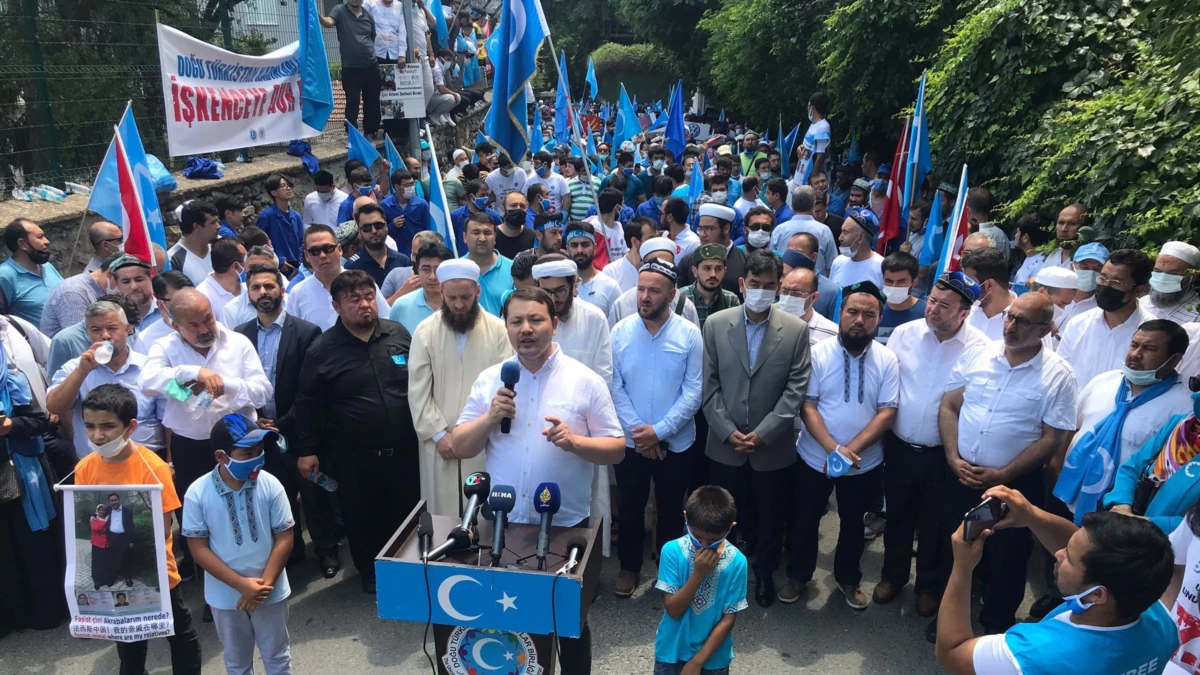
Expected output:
{"points": [[541, 171], [481, 202], [1141, 378], [659, 164], [546, 204], [365, 190], [627, 172], [696, 542], [1077, 606], [243, 469]]}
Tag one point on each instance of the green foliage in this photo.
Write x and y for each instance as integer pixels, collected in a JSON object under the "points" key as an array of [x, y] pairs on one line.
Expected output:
{"points": [[612, 57], [671, 25], [574, 25], [253, 44]]}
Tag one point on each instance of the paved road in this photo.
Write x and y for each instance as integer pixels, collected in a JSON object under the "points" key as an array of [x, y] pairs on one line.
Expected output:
{"points": [[334, 629]]}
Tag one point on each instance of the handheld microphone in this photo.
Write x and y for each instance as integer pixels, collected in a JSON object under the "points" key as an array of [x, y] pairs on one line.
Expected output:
{"points": [[474, 486], [510, 374], [425, 533], [501, 502], [546, 501], [575, 548]]}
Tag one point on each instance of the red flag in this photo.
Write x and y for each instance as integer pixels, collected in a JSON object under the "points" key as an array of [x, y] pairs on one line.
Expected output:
{"points": [[135, 231], [956, 232], [890, 225]]}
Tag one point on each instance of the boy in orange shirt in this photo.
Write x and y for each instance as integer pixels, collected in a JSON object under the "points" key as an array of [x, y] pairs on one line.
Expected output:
{"points": [[110, 417]]}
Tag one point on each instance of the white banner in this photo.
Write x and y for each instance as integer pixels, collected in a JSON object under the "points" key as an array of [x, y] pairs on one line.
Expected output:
{"points": [[218, 100], [403, 92], [116, 581]]}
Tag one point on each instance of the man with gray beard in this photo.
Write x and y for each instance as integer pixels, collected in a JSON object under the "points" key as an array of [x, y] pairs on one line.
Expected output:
{"points": [[449, 350], [1172, 294]]}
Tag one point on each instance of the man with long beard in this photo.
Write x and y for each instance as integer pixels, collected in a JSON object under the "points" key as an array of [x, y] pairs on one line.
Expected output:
{"points": [[1172, 294], [449, 350]]}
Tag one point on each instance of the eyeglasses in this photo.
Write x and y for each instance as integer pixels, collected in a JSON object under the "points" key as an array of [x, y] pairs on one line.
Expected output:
{"points": [[318, 251], [794, 293], [937, 304], [370, 227], [1021, 321], [560, 292], [1111, 283]]}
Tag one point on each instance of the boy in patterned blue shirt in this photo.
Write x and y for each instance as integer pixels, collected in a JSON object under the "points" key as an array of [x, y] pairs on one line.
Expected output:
{"points": [[703, 578]]}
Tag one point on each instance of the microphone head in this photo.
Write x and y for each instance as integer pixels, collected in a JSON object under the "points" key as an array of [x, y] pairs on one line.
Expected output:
{"points": [[577, 543], [547, 499], [478, 483], [510, 374], [425, 525], [502, 499]]}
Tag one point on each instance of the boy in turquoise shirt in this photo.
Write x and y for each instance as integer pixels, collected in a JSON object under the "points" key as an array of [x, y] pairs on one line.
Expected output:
{"points": [[704, 581]]}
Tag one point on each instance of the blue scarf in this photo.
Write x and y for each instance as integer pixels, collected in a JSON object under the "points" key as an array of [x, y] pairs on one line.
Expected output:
{"points": [[1090, 467], [36, 500]]}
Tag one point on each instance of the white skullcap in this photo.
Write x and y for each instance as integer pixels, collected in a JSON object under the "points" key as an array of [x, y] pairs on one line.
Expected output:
{"points": [[1182, 250], [1057, 277], [718, 211], [656, 244], [458, 268], [459, 152], [556, 268]]}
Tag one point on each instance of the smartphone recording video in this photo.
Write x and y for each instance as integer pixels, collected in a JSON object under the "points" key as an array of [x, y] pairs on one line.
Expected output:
{"points": [[985, 516]]}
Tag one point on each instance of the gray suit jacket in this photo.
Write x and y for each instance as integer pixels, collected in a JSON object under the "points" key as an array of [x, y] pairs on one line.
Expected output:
{"points": [[774, 387]]}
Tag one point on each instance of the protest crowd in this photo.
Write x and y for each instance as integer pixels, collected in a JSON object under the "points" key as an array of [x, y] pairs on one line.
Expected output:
{"points": [[716, 334]]}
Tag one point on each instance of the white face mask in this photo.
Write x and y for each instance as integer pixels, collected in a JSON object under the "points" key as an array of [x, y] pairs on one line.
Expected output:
{"points": [[409, 192], [846, 251], [759, 299], [110, 449], [1141, 378], [1087, 280], [793, 305], [325, 196], [758, 238], [1166, 283], [720, 197], [895, 294], [461, 163]]}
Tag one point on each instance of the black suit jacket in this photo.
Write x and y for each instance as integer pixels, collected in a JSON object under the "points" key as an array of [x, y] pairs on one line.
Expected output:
{"points": [[297, 335], [127, 521]]}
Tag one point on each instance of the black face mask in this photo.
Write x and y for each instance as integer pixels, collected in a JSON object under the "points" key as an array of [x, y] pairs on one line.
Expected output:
{"points": [[515, 218], [1109, 299]]}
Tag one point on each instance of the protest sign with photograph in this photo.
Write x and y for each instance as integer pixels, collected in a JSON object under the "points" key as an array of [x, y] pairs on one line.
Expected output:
{"points": [[403, 94]]}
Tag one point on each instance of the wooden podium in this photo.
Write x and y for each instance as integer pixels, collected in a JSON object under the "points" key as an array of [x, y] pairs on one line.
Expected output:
{"points": [[500, 620]]}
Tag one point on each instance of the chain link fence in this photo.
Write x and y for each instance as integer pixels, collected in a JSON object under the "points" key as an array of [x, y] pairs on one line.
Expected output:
{"points": [[68, 67]]}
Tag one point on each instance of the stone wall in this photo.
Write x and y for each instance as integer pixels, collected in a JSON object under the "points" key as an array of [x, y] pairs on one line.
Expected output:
{"points": [[65, 222]]}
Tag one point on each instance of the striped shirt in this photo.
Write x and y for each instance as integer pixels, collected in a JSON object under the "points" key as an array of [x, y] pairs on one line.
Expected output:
{"points": [[582, 199]]}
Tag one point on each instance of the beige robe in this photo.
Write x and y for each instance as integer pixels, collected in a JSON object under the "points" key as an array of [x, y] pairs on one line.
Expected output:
{"points": [[439, 381]]}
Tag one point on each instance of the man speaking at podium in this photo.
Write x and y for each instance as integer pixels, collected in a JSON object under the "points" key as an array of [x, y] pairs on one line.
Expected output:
{"points": [[562, 423]]}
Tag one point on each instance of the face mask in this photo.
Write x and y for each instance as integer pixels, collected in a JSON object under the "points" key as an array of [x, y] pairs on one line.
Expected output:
{"points": [[1075, 605], [39, 257], [365, 190], [245, 469], [506, 172], [409, 192], [461, 164], [325, 196], [627, 172], [759, 299], [481, 202], [793, 305], [426, 155], [810, 115], [764, 175], [515, 218], [758, 238], [1087, 279], [1142, 378], [1109, 299], [720, 197], [846, 251], [1166, 283], [659, 164], [110, 449], [541, 171], [546, 204], [895, 294]]}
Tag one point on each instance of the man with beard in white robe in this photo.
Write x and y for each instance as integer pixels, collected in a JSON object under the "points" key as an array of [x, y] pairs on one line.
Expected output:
{"points": [[449, 350]]}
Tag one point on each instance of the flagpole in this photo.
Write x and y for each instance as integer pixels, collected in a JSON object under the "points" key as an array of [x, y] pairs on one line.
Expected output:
{"points": [[573, 120]]}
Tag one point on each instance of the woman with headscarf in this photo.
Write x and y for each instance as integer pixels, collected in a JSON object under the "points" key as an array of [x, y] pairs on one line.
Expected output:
{"points": [[31, 549]]}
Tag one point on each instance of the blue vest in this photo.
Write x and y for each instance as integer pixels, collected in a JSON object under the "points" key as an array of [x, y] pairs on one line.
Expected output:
{"points": [[1054, 646]]}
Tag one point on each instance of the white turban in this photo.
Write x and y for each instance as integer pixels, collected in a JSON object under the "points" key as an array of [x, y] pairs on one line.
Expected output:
{"points": [[1057, 277], [459, 152], [656, 244], [718, 211], [1184, 251], [556, 268], [458, 268]]}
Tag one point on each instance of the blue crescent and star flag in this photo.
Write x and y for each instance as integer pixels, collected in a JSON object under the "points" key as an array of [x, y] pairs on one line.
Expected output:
{"points": [[440, 29], [675, 135], [562, 103], [439, 208], [535, 137], [361, 148], [593, 84], [920, 160], [106, 198], [722, 117], [316, 89], [393, 157], [695, 188], [518, 37], [786, 147], [628, 124]]}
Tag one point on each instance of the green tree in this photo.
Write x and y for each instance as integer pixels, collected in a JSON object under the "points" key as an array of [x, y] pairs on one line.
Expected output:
{"points": [[573, 25], [671, 25]]}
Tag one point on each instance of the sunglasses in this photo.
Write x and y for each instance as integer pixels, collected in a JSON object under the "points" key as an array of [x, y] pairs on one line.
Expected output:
{"points": [[371, 227], [318, 251]]}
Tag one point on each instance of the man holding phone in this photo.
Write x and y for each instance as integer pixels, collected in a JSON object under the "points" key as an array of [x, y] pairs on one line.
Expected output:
{"points": [[1111, 572], [1009, 406]]}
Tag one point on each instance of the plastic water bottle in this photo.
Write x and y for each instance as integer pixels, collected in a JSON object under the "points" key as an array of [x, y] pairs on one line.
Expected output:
{"points": [[48, 193], [324, 480], [22, 195], [78, 189], [198, 405], [104, 352]]}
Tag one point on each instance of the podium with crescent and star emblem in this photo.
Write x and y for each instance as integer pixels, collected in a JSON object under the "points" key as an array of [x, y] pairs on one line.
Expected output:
{"points": [[489, 620]]}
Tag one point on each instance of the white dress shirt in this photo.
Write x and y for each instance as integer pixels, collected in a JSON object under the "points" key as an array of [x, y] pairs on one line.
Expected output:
{"points": [[585, 338], [151, 334], [601, 292], [562, 388], [150, 408], [391, 34], [217, 296], [623, 272], [232, 357], [1099, 398], [116, 520], [311, 301], [846, 272], [847, 407], [321, 212], [657, 379], [1074, 309], [925, 361], [1004, 407], [1091, 347], [744, 205], [626, 305]]}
